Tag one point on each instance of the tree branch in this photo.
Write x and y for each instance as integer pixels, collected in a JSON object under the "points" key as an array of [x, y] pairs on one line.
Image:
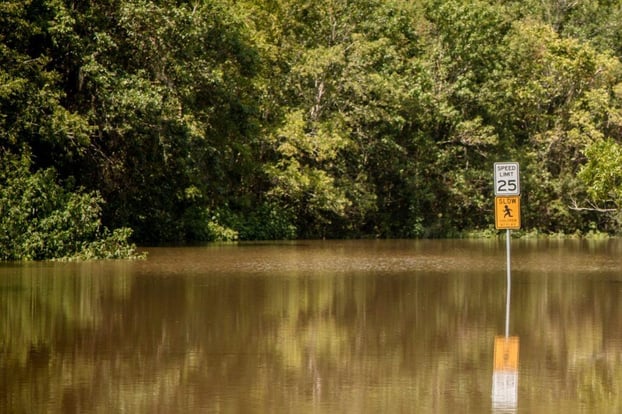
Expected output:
{"points": [[592, 207]]}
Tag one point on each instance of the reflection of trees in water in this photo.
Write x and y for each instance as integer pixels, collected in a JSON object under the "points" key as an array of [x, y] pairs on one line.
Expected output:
{"points": [[373, 342], [571, 325], [40, 301], [46, 311]]}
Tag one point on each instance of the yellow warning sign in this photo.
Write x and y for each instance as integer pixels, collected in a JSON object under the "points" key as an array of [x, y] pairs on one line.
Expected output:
{"points": [[506, 353], [507, 213]]}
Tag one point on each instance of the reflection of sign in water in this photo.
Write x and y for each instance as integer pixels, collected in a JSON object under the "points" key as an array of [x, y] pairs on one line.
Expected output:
{"points": [[504, 390], [505, 373], [506, 353], [507, 213]]}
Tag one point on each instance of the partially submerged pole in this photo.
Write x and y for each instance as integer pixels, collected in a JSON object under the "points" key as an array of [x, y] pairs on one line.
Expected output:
{"points": [[509, 282], [507, 216]]}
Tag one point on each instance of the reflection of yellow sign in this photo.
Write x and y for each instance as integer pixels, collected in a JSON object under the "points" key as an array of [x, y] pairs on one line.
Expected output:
{"points": [[507, 213], [506, 353]]}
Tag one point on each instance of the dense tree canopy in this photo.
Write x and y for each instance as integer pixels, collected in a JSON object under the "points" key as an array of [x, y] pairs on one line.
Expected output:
{"points": [[266, 119]]}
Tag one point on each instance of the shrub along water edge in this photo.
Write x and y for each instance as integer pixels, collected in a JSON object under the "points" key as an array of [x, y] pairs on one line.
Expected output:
{"points": [[41, 220]]}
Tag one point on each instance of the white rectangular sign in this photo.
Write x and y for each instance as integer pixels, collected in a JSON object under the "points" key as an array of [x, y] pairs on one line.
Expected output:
{"points": [[507, 179]]}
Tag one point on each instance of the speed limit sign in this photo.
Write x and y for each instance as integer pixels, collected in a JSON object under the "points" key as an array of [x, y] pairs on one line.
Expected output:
{"points": [[507, 179]]}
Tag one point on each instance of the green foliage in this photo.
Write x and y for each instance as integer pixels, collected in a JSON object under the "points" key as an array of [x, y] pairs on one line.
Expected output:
{"points": [[602, 174], [165, 89], [41, 220], [218, 232], [263, 119], [201, 224], [31, 95], [268, 222]]}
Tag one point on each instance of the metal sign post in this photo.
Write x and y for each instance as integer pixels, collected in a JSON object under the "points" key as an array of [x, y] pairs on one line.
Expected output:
{"points": [[509, 282], [507, 216]]}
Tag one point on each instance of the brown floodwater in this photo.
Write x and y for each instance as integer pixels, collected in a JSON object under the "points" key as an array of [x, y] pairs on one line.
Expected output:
{"points": [[318, 327]]}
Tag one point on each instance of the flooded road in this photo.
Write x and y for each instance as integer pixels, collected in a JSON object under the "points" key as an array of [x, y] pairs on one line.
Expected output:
{"points": [[317, 327]]}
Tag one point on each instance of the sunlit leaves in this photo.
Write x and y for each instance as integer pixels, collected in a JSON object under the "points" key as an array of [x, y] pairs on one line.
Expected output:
{"points": [[545, 76], [300, 178], [345, 78], [602, 173]]}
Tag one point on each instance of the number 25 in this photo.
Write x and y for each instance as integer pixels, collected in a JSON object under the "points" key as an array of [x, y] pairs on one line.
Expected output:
{"points": [[506, 185]]}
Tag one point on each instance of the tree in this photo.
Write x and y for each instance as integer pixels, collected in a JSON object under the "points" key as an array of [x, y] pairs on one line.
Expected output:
{"points": [[463, 52], [552, 99], [31, 97], [338, 88], [280, 118], [166, 88]]}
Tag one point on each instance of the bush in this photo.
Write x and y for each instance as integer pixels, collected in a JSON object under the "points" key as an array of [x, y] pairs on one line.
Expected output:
{"points": [[268, 222], [39, 219]]}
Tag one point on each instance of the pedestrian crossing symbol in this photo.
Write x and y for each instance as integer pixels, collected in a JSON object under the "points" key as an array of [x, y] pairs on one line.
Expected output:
{"points": [[507, 213]]}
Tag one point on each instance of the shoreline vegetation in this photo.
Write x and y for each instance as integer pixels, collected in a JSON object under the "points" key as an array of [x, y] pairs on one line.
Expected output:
{"points": [[535, 234], [40, 219], [165, 122]]}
